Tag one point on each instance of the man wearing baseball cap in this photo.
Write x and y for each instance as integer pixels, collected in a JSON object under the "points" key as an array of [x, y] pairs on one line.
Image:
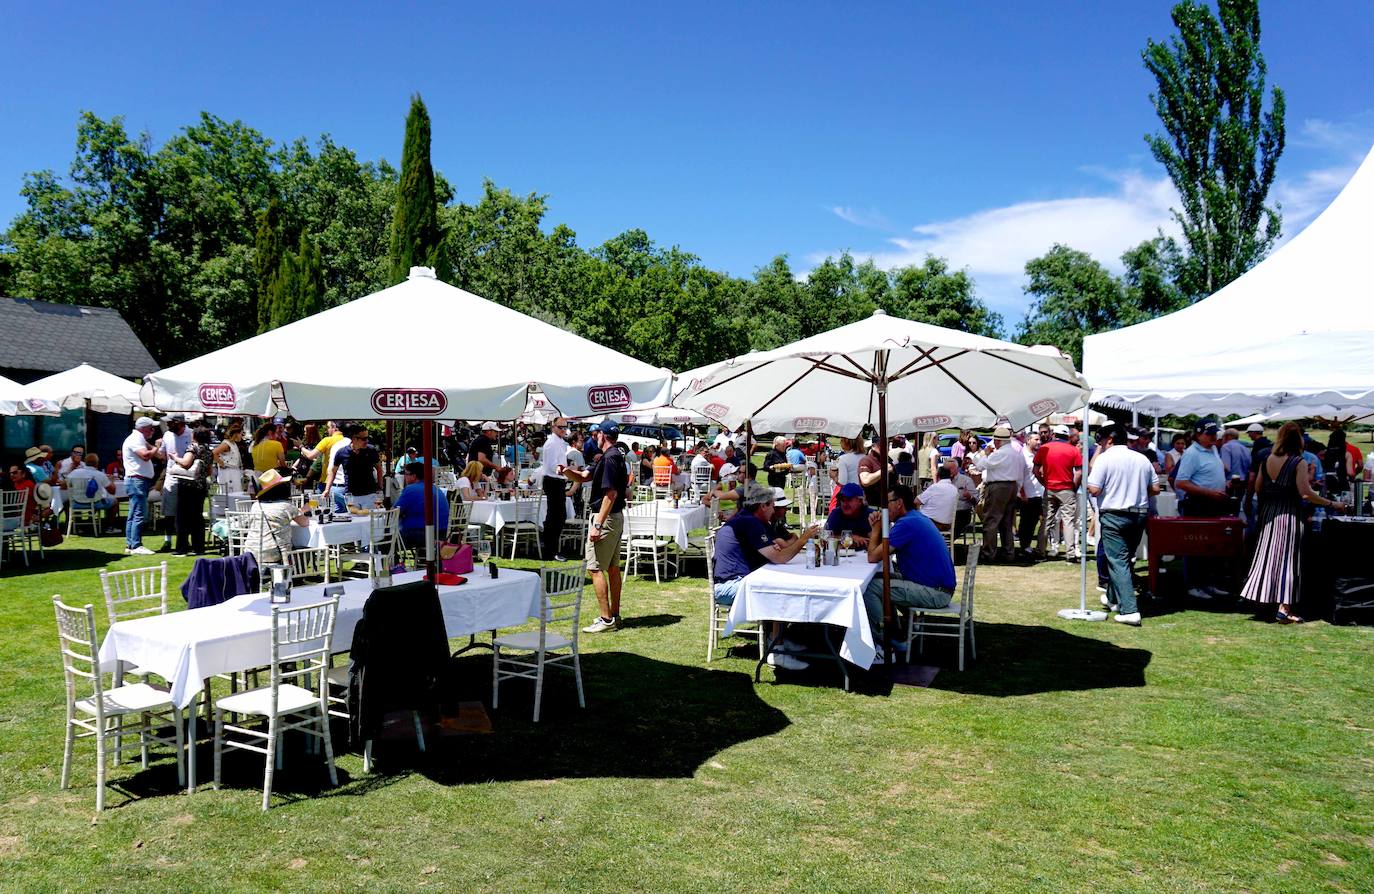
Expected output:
{"points": [[483, 449], [139, 454], [1004, 471], [610, 480], [850, 514], [1201, 485]]}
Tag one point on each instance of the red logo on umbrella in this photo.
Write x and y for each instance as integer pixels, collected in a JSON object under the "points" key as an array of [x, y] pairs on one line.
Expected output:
{"points": [[409, 402], [1044, 407], [924, 423], [715, 411], [809, 423], [607, 398], [218, 396]]}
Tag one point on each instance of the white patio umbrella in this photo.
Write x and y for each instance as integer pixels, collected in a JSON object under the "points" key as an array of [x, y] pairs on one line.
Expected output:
{"points": [[23, 400], [883, 368], [87, 387], [422, 350]]}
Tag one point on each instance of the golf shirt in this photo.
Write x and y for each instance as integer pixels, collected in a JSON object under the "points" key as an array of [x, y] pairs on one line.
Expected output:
{"points": [[920, 552], [134, 466], [1059, 458], [938, 501], [1125, 476], [481, 446], [838, 522], [609, 473], [1202, 467], [739, 546], [411, 502]]}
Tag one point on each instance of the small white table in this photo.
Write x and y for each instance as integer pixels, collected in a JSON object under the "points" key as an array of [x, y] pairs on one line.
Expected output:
{"points": [[831, 594], [354, 530], [496, 514], [188, 647], [677, 523]]}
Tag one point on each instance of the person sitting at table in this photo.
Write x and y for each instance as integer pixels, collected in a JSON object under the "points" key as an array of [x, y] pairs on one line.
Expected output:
{"points": [[268, 529], [87, 484], [728, 491], [22, 479], [411, 504], [778, 526], [663, 469], [412, 455], [939, 501], [905, 466], [922, 572], [36, 465], [850, 514], [471, 483], [745, 543]]}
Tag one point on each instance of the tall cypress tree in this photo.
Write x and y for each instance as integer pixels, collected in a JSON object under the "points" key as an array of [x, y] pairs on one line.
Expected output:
{"points": [[269, 247], [416, 238], [310, 279]]}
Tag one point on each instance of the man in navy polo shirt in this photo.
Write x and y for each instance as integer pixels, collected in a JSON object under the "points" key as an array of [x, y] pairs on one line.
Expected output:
{"points": [[850, 514], [923, 573]]}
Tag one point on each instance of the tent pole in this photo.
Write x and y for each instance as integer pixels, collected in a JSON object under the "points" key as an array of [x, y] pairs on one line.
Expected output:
{"points": [[1082, 613], [428, 427], [882, 483]]}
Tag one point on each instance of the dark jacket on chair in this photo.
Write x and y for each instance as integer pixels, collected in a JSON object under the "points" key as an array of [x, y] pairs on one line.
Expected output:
{"points": [[400, 648], [213, 581]]}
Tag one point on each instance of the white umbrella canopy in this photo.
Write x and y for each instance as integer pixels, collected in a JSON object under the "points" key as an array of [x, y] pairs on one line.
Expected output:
{"points": [[419, 350], [24, 400], [935, 378], [668, 415], [107, 392]]}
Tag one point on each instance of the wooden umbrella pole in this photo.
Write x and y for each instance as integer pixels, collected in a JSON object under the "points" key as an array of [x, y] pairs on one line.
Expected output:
{"points": [[882, 483]]}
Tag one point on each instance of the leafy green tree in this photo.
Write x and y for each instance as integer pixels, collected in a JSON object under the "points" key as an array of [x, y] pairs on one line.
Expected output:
{"points": [[1151, 280], [1074, 296], [416, 239], [1220, 146], [930, 292], [772, 315], [269, 246]]}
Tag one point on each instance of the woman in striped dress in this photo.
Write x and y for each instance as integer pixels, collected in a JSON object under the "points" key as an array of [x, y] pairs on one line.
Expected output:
{"points": [[1283, 482]]}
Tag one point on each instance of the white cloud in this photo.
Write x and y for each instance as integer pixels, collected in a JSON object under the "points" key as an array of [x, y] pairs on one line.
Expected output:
{"points": [[869, 218]]}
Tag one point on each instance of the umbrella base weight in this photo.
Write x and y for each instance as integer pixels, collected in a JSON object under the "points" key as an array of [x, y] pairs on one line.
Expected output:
{"points": [[1081, 614]]}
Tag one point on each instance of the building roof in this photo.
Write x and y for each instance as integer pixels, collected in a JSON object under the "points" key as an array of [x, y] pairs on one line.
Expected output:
{"points": [[47, 337]]}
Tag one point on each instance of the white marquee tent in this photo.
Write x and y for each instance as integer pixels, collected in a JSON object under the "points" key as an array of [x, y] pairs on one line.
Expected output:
{"points": [[106, 392], [419, 350], [1295, 330]]}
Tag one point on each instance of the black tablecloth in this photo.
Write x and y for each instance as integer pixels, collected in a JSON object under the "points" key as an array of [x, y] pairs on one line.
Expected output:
{"points": [[1344, 547]]}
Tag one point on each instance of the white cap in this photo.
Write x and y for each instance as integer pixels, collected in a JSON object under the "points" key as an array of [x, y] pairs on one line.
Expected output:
{"points": [[728, 469], [144, 422], [1061, 430]]}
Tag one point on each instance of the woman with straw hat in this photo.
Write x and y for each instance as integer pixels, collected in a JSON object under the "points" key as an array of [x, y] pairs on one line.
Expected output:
{"points": [[268, 532]]}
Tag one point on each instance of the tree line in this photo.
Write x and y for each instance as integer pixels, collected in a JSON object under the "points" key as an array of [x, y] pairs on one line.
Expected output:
{"points": [[220, 233]]}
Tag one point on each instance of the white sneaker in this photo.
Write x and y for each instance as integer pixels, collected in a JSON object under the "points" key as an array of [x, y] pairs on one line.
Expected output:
{"points": [[1133, 619], [878, 656], [139, 551], [1199, 593], [790, 647], [1101, 589], [786, 662], [600, 625], [1106, 603]]}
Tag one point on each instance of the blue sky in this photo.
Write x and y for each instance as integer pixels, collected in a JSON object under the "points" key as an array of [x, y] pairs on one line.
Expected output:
{"points": [[980, 131]]}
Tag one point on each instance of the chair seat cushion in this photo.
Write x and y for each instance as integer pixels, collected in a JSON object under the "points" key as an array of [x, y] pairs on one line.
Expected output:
{"points": [[529, 641], [132, 699], [291, 699]]}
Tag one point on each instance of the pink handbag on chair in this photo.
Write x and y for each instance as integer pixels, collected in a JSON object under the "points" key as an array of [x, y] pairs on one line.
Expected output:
{"points": [[455, 558]]}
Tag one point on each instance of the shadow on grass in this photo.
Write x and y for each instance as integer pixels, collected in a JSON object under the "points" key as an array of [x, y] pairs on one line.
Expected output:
{"points": [[1016, 659], [663, 620], [62, 560]]}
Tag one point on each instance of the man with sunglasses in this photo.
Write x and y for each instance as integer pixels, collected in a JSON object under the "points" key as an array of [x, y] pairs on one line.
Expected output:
{"points": [[922, 571], [553, 458]]}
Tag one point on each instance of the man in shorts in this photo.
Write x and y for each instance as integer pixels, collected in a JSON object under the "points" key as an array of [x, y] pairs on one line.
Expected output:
{"points": [[609, 480]]}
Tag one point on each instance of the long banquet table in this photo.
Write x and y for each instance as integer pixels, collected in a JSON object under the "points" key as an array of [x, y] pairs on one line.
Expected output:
{"points": [[187, 648]]}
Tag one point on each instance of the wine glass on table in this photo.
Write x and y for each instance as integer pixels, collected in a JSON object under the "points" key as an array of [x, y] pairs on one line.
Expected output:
{"points": [[847, 543], [484, 552]]}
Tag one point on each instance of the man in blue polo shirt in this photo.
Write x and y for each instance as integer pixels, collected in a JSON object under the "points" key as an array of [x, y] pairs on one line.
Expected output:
{"points": [[411, 504], [923, 573], [1201, 483], [850, 514]]}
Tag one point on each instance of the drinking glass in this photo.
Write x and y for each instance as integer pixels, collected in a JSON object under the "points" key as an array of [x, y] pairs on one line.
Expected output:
{"points": [[484, 550], [847, 544]]}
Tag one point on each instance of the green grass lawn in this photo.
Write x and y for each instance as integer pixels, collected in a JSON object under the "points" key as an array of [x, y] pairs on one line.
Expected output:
{"points": [[1205, 751]]}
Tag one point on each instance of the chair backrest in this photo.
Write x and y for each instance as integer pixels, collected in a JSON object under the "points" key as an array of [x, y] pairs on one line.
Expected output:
{"points": [[966, 590], [298, 500], [458, 514], [243, 504], [562, 585], [302, 638], [663, 474], [382, 529], [135, 593], [76, 639], [641, 519], [305, 562], [12, 503], [527, 508], [663, 491], [644, 493], [908, 480], [236, 531], [701, 479]]}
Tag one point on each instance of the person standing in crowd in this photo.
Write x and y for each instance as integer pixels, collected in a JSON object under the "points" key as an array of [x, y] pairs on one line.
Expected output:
{"points": [[361, 465], [1032, 506], [968, 496], [1200, 479], [959, 449], [1004, 471], [1058, 467], [871, 473], [1338, 467], [1283, 484], [1176, 448], [192, 488], [923, 572], [319, 454], [267, 450], [1235, 458], [553, 458], [176, 440], [229, 462], [845, 469], [795, 456], [139, 455], [411, 506], [929, 460], [1122, 480], [610, 479], [483, 448], [777, 463], [576, 459]]}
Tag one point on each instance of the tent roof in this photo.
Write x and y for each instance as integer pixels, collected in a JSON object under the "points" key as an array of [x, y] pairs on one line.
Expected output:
{"points": [[1295, 327], [421, 349], [107, 393]]}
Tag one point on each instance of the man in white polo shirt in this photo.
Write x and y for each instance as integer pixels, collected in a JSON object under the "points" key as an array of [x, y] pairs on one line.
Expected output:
{"points": [[138, 455], [939, 501], [553, 458], [1123, 481]]}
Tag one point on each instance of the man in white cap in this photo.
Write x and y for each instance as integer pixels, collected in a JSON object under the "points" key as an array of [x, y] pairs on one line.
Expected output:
{"points": [[483, 448], [139, 454], [1058, 466], [1004, 470]]}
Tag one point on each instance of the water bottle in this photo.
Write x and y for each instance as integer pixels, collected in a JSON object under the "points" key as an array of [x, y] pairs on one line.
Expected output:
{"points": [[1318, 517]]}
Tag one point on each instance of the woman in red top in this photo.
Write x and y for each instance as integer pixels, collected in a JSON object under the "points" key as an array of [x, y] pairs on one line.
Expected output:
{"points": [[21, 479]]}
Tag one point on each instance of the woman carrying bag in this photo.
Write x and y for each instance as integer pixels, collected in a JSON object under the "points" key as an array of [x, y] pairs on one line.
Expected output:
{"points": [[192, 471]]}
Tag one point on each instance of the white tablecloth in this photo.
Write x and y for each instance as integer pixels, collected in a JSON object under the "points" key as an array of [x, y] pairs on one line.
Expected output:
{"points": [[676, 523], [355, 530], [831, 594], [187, 647], [498, 513]]}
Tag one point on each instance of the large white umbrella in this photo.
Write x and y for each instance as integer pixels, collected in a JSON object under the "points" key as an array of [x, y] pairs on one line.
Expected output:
{"points": [[881, 369], [419, 350], [23, 400], [422, 350], [86, 386]]}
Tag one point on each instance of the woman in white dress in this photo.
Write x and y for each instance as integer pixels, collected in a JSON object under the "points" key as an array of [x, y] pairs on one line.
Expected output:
{"points": [[229, 460]]}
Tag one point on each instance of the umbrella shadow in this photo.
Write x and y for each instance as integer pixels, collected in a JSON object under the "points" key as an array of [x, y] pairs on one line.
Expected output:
{"points": [[59, 560], [1017, 659], [646, 621], [644, 719]]}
